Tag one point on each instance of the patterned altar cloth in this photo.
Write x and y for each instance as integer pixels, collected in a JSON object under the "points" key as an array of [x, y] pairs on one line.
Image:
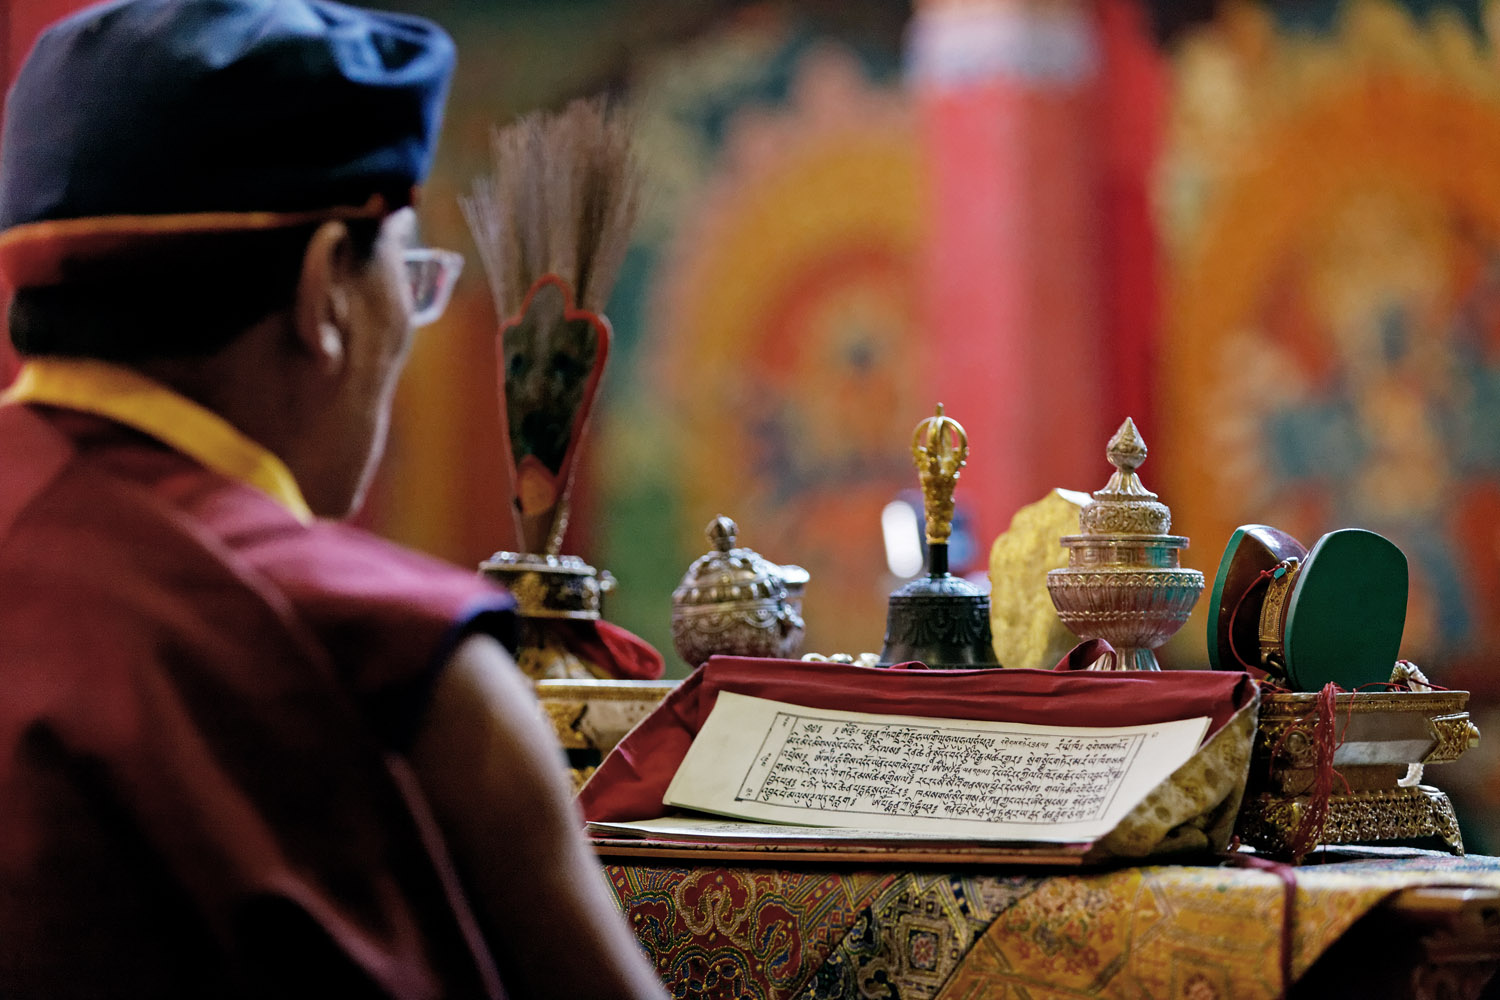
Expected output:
{"points": [[1202, 932]]}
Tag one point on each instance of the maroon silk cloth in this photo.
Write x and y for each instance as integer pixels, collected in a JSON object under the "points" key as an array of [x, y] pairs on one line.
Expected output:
{"points": [[620, 653], [626, 655], [629, 785], [203, 705]]}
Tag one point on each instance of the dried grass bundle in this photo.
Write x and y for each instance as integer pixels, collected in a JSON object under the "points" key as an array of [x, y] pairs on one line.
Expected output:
{"points": [[562, 200]]}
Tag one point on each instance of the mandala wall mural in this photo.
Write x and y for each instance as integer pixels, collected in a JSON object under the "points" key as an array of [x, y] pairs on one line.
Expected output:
{"points": [[1332, 352], [1331, 356], [780, 342]]}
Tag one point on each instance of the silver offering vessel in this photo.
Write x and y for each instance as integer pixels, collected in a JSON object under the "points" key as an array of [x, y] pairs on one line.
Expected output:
{"points": [[732, 601], [1123, 582]]}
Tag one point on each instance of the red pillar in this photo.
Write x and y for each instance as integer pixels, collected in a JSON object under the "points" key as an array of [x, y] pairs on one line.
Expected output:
{"points": [[1133, 96], [1007, 94], [1042, 124]]}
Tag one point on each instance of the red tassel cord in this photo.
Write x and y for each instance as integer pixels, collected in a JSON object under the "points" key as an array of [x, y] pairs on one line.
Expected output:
{"points": [[1327, 736]]}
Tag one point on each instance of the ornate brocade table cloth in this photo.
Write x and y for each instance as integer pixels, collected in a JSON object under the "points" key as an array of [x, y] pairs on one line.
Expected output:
{"points": [[1199, 932]]}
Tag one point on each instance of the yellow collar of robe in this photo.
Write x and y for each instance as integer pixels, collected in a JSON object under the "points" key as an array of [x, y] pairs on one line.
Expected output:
{"points": [[130, 398]]}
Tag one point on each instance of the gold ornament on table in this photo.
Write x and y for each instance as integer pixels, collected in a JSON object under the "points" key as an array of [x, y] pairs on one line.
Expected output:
{"points": [[589, 717], [939, 620], [1374, 746], [1123, 582], [731, 601], [1025, 626], [552, 225], [940, 450]]}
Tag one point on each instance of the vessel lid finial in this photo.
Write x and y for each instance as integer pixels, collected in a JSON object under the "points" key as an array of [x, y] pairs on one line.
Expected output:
{"points": [[1127, 449], [721, 533], [1124, 505]]}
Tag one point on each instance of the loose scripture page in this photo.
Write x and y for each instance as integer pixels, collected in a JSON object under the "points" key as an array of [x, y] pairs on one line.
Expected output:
{"points": [[1004, 781]]}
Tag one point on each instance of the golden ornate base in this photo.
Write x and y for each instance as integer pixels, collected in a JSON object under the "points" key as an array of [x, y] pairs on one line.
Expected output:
{"points": [[550, 586], [1380, 743], [590, 716], [550, 591], [543, 655], [1269, 822]]}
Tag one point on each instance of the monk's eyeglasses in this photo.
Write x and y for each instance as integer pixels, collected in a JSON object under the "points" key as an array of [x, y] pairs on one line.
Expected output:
{"points": [[431, 274]]}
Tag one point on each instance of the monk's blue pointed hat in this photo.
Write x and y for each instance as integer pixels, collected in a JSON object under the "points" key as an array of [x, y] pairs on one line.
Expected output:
{"points": [[138, 118]]}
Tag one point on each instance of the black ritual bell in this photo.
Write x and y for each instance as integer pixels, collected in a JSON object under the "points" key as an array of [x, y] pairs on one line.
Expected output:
{"points": [[939, 620]]}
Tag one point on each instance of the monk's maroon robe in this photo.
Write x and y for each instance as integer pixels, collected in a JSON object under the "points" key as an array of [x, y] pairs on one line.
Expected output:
{"points": [[203, 704]]}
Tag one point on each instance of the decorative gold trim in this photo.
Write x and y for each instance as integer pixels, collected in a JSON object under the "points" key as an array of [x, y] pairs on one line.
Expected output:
{"points": [[34, 253], [1288, 742], [1301, 705], [565, 716], [1273, 614], [603, 690], [1269, 822], [589, 717], [1189, 579], [1454, 734]]}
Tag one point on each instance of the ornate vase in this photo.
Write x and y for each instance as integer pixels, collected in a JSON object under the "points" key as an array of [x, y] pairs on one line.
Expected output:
{"points": [[732, 601], [1123, 582]]}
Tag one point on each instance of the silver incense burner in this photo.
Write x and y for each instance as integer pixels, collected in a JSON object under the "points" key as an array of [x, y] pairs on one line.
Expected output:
{"points": [[732, 601]]}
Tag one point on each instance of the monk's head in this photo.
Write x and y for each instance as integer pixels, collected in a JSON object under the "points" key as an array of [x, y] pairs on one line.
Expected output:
{"points": [[218, 194]]}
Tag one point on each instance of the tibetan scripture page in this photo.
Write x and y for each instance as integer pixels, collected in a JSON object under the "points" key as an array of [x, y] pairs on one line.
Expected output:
{"points": [[1002, 781]]}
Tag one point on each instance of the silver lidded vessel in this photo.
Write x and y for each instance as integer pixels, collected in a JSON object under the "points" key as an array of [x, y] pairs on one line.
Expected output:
{"points": [[1124, 582], [732, 601]]}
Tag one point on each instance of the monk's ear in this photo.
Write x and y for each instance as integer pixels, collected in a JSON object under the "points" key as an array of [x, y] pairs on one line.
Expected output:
{"points": [[321, 313]]}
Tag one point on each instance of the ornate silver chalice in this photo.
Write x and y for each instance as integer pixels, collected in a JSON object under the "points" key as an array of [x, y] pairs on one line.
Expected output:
{"points": [[1123, 582]]}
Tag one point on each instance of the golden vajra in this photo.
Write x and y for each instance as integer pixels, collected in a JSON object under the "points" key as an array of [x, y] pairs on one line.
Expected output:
{"points": [[940, 448]]}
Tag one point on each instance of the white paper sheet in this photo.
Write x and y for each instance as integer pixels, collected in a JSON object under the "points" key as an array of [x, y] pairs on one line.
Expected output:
{"points": [[958, 779]]}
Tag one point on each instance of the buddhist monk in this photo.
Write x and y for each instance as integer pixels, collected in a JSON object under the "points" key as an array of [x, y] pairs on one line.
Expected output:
{"points": [[247, 750]]}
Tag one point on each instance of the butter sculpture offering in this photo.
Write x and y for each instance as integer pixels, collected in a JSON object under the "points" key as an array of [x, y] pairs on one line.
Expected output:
{"points": [[1023, 623]]}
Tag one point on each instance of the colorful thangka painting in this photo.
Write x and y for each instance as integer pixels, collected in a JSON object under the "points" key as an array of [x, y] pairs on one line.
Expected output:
{"points": [[1330, 202], [1332, 353], [772, 378]]}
